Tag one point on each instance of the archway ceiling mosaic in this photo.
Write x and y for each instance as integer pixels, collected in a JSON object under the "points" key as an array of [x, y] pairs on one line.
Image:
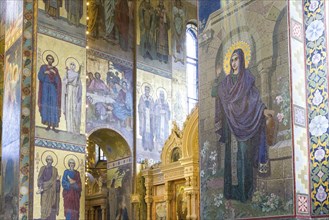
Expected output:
{"points": [[113, 144]]}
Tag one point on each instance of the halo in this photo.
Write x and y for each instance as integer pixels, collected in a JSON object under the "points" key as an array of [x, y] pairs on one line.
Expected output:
{"points": [[52, 154], [70, 60], [50, 52], [74, 157], [164, 91], [238, 45], [149, 85]]}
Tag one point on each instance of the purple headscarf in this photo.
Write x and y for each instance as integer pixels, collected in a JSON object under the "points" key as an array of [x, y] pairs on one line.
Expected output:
{"points": [[240, 102]]}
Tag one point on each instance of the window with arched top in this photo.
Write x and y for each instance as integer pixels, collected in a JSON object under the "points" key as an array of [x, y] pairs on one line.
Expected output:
{"points": [[99, 154], [191, 65]]}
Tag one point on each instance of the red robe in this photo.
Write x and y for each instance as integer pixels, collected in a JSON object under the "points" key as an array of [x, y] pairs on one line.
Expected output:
{"points": [[71, 194]]}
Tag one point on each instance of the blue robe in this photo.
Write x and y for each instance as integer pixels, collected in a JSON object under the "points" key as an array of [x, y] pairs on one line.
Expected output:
{"points": [[49, 97], [71, 194]]}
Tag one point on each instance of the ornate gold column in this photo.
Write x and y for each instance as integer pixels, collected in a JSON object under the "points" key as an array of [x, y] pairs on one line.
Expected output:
{"points": [[148, 197], [168, 198], [103, 212], [193, 196], [92, 214], [188, 196], [191, 188], [87, 212], [188, 204]]}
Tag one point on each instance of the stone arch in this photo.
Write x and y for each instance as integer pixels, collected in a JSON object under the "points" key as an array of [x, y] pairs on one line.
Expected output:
{"points": [[114, 176], [126, 137], [280, 28], [113, 144]]}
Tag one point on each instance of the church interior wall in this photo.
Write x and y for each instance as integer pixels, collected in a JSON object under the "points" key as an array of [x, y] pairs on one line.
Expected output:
{"points": [[161, 70], [290, 73], [110, 55], [267, 54], [62, 34]]}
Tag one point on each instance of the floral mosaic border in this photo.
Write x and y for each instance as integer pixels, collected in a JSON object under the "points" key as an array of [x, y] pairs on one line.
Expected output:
{"points": [[26, 100], [317, 101]]}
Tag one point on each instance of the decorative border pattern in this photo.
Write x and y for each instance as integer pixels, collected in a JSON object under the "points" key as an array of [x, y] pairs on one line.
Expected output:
{"points": [[59, 145], [129, 64], [120, 162], [300, 116], [317, 101], [153, 70], [26, 103], [61, 36], [107, 56], [302, 204], [297, 30]]}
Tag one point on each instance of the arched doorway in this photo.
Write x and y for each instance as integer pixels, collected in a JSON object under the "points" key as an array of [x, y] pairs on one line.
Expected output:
{"points": [[109, 176]]}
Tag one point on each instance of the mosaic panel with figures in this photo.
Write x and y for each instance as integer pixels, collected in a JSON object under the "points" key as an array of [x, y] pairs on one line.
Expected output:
{"points": [[59, 184], [246, 163], [109, 95]]}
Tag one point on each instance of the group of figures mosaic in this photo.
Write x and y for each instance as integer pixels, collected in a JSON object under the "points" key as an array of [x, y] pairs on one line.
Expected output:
{"points": [[154, 24], [110, 100], [112, 21], [74, 10], [49, 184], [154, 117], [57, 95]]}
